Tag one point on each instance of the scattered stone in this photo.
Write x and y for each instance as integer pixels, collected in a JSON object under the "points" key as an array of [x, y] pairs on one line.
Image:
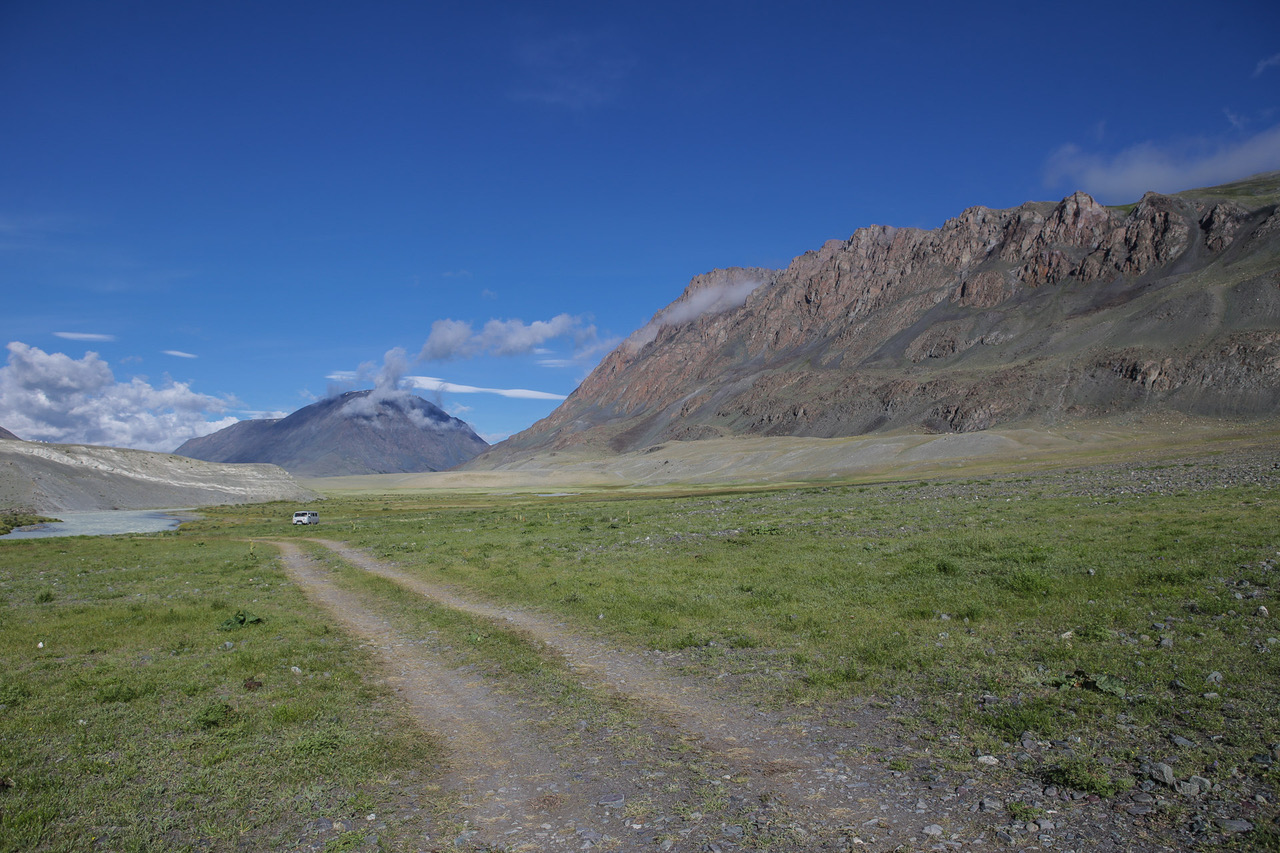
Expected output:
{"points": [[612, 801], [990, 804], [933, 829], [989, 760], [1214, 677], [1179, 740], [1187, 789], [1262, 611], [1233, 824], [1205, 785], [1138, 809], [1163, 774]]}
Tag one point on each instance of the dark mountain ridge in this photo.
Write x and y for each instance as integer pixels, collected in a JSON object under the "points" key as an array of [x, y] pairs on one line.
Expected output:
{"points": [[360, 432], [1029, 316]]}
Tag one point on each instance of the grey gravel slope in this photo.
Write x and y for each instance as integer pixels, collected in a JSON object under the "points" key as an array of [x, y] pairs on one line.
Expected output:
{"points": [[49, 478]]}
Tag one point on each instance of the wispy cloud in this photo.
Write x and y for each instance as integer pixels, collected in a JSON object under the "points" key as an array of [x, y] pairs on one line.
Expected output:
{"points": [[454, 339], [84, 336], [1264, 64], [177, 353], [572, 70], [54, 397], [1163, 167], [431, 383], [714, 299], [345, 378]]}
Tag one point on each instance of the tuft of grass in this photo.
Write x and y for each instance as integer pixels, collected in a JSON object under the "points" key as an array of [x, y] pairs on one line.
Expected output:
{"points": [[11, 520], [1087, 775]]}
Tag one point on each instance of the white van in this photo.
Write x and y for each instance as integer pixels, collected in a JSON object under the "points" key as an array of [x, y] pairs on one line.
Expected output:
{"points": [[306, 517]]}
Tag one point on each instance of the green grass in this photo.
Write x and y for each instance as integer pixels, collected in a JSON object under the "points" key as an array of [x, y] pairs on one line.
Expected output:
{"points": [[983, 610], [125, 722], [945, 592], [11, 519]]}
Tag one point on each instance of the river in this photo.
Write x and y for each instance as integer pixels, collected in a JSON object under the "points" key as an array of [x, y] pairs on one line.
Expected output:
{"points": [[105, 523]]}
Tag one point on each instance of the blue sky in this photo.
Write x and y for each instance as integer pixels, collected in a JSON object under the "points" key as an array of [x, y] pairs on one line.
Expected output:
{"points": [[212, 211]]}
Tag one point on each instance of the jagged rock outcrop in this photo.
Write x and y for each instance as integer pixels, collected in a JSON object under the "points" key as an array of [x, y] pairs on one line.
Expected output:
{"points": [[4, 433], [1031, 315], [360, 432]]}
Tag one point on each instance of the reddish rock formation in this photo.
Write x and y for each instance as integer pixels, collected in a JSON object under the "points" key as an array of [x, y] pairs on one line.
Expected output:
{"points": [[1037, 314]]}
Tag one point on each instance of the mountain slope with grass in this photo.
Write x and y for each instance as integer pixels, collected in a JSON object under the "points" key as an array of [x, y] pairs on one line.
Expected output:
{"points": [[1040, 315], [377, 431]]}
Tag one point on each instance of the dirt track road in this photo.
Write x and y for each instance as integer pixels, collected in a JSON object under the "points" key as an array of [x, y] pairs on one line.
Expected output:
{"points": [[716, 775]]}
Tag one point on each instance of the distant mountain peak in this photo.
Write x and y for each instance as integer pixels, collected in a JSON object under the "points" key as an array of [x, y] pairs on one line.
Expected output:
{"points": [[374, 431]]}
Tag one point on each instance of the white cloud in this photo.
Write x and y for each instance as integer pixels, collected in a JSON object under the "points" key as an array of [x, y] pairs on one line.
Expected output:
{"points": [[431, 383], [453, 339], [449, 339], [707, 300], [1264, 64], [54, 397], [513, 337], [83, 336], [443, 386], [179, 353], [1165, 168]]}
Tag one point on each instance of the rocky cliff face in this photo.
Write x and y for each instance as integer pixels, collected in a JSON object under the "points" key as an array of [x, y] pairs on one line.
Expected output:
{"points": [[360, 432], [1031, 315]]}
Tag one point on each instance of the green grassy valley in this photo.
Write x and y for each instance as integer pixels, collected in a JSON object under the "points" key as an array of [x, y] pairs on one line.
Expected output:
{"points": [[175, 691]]}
